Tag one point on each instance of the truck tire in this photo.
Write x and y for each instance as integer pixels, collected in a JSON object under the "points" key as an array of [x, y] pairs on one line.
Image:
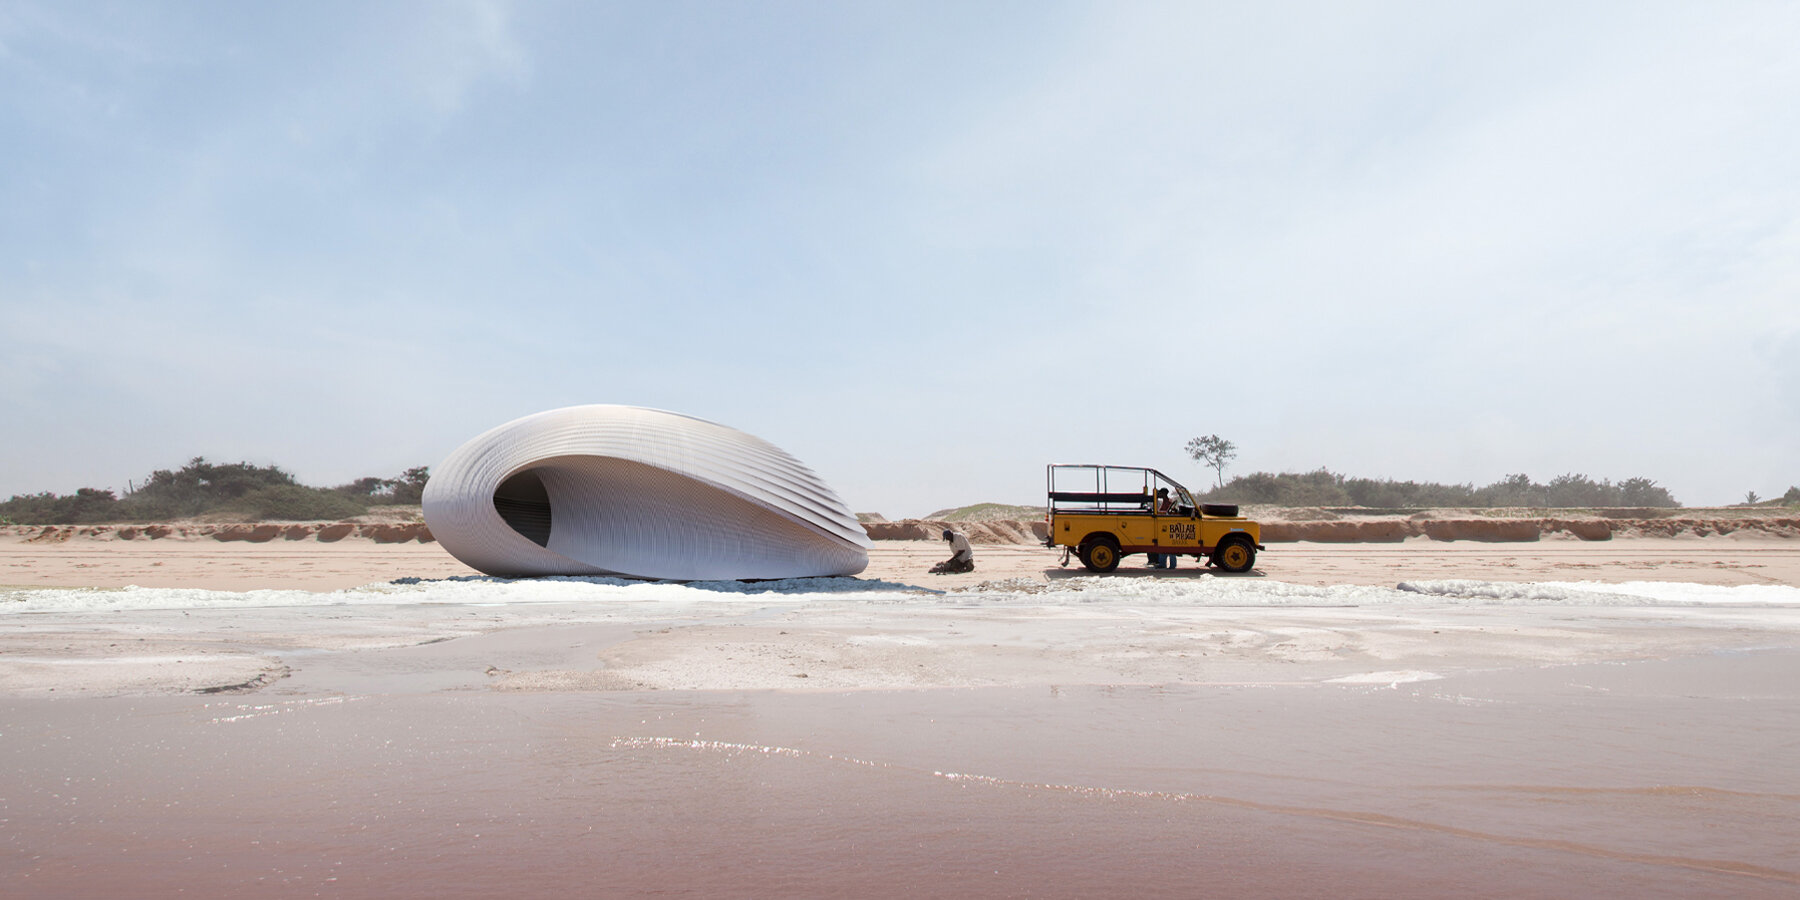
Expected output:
{"points": [[1100, 554], [1234, 554]]}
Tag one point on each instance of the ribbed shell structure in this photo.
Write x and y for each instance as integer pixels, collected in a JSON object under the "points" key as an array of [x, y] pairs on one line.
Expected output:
{"points": [[643, 493]]}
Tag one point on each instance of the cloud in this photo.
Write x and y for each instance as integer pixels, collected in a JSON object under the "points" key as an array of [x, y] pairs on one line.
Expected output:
{"points": [[1412, 240], [450, 49]]}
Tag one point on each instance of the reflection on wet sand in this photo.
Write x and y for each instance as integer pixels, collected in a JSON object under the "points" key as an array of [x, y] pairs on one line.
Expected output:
{"points": [[1015, 735], [1655, 778]]}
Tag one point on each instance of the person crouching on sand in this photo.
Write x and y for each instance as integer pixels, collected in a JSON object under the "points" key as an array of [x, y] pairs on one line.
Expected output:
{"points": [[962, 556]]}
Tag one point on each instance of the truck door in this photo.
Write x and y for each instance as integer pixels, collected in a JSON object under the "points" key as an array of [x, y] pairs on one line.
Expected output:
{"points": [[1134, 507], [1177, 521]]}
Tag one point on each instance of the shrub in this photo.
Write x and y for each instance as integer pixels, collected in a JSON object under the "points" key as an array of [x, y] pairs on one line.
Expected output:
{"points": [[1644, 492], [406, 489], [194, 489], [362, 488], [199, 487], [290, 502], [1324, 488], [1317, 488], [85, 506], [410, 486]]}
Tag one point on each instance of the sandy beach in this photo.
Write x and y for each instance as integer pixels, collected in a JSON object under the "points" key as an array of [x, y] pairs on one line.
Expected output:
{"points": [[318, 566], [1421, 718], [1465, 337]]}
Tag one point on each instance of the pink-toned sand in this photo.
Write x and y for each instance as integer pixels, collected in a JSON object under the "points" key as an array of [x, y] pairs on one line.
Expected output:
{"points": [[315, 565], [911, 745]]}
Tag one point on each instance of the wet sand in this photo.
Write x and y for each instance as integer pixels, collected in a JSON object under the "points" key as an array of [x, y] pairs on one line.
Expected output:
{"points": [[1597, 781], [925, 746]]}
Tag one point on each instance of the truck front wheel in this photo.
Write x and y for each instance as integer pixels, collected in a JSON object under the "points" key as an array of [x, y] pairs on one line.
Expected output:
{"points": [[1234, 554], [1100, 555]]}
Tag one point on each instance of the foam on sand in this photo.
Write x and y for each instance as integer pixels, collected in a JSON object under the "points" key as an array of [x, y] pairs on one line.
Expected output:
{"points": [[1593, 593], [1407, 676], [1207, 592]]}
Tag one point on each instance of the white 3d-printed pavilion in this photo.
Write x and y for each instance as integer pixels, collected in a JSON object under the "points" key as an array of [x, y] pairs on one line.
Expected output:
{"points": [[643, 493]]}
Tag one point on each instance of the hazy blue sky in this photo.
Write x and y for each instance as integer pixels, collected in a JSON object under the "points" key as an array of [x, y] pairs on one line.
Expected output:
{"points": [[925, 247]]}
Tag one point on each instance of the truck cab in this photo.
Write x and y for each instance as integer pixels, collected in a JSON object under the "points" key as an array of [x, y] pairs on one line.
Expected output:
{"points": [[1104, 513]]}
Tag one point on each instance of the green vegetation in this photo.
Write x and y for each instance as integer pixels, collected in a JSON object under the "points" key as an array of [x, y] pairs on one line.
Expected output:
{"points": [[987, 512], [1323, 487], [294, 502], [201, 488], [407, 489], [1326, 488], [1787, 500], [85, 505]]}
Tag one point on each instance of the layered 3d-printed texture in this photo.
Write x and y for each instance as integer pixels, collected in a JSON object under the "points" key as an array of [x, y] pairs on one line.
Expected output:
{"points": [[643, 493]]}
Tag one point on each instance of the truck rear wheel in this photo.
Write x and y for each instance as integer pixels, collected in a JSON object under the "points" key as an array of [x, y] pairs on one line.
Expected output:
{"points": [[1234, 554], [1100, 555]]}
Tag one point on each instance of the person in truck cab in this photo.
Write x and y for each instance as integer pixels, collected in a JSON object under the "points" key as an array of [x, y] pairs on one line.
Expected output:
{"points": [[1165, 506]]}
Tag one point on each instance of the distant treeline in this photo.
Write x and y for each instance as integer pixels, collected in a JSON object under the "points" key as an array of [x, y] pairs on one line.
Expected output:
{"points": [[1326, 488], [200, 488]]}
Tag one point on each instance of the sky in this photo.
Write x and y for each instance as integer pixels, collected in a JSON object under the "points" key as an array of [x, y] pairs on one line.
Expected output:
{"points": [[927, 248]]}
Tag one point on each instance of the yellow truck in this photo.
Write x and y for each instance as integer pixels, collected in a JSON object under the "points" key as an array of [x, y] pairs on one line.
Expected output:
{"points": [[1103, 513]]}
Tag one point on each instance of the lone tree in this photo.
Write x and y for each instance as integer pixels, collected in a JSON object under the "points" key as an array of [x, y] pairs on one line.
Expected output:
{"points": [[1213, 451]]}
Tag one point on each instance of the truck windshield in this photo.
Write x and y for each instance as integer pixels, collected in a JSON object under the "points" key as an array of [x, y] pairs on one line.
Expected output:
{"points": [[1184, 502]]}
